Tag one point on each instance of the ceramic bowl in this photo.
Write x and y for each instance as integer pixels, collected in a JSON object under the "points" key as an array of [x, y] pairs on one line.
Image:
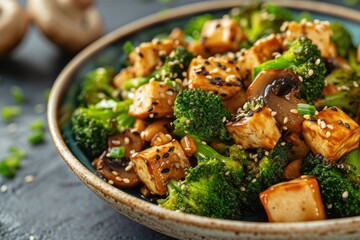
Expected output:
{"points": [[108, 51]]}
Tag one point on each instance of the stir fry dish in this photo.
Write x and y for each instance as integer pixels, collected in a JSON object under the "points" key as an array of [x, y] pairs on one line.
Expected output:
{"points": [[253, 113]]}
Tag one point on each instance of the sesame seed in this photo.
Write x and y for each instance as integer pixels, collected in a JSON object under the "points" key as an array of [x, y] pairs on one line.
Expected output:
{"points": [[295, 111], [347, 125], [284, 128], [328, 134], [286, 119], [29, 178], [311, 72], [301, 79], [203, 142], [323, 124], [242, 189], [273, 113], [317, 62], [345, 194], [118, 179], [227, 173], [111, 182], [114, 173], [355, 84], [151, 115], [282, 143], [329, 206], [126, 140], [208, 77], [3, 188], [254, 180], [330, 126], [306, 116], [129, 167], [126, 180]]}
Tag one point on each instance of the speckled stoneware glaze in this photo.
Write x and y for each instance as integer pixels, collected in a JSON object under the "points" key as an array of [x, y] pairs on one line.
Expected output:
{"points": [[108, 51]]}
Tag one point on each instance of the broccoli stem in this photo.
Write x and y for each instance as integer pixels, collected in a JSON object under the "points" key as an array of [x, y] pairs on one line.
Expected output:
{"points": [[206, 152]]}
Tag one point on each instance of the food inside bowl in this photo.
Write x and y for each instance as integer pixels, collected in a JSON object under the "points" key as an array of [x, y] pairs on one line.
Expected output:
{"points": [[254, 112]]}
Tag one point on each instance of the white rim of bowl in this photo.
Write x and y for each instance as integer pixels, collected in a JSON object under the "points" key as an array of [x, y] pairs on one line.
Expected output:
{"points": [[63, 80]]}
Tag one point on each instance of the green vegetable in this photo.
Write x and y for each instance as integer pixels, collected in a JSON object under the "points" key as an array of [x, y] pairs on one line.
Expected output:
{"points": [[11, 163], [91, 126], [348, 96], [306, 109], [194, 25], [117, 152], [9, 112], [304, 58], [128, 47], [202, 114], [342, 39], [37, 125], [211, 189], [172, 69], [36, 137], [97, 86], [17, 94], [340, 195]]}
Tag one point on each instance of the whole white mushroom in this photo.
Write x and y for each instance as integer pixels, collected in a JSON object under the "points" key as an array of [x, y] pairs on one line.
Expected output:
{"points": [[13, 25], [70, 24]]}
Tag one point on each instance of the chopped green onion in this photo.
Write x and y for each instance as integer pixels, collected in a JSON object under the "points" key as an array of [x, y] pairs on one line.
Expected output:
{"points": [[17, 94], [37, 125], [306, 109], [11, 163], [135, 83], [128, 47], [36, 137], [9, 112], [116, 152]]}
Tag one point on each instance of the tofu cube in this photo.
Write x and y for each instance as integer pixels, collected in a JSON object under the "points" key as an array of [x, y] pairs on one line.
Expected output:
{"points": [[219, 36], [146, 57], [259, 130], [125, 74], [153, 100], [332, 133], [217, 75], [155, 166], [318, 31], [262, 51], [295, 201]]}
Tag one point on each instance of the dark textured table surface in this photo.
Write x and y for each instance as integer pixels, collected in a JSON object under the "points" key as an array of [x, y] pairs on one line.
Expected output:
{"points": [[45, 200]]}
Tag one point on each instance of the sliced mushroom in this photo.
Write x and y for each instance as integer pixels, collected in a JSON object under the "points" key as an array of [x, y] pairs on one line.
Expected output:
{"points": [[119, 171], [13, 25], [281, 91], [71, 24]]}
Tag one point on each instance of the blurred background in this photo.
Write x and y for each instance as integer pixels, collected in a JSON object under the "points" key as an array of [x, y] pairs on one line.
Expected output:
{"points": [[45, 200]]}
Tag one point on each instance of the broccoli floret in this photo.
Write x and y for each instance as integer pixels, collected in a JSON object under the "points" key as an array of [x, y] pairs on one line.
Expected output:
{"points": [[342, 39], [212, 188], [340, 195], [174, 66], [347, 96], [202, 114], [92, 125], [304, 58], [261, 19], [97, 86], [264, 173], [193, 27]]}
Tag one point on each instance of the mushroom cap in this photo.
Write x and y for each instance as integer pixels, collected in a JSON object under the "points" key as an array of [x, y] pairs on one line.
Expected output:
{"points": [[13, 25], [70, 24]]}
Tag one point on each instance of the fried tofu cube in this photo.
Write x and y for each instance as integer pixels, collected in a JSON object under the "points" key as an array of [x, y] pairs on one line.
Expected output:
{"points": [[318, 31], [258, 130], [295, 201], [153, 100], [219, 36], [331, 134], [147, 56], [263, 50], [217, 75], [125, 74], [155, 166]]}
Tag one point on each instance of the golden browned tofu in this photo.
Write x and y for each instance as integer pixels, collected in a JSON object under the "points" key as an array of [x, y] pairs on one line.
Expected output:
{"points": [[153, 100], [295, 201], [146, 57], [155, 166], [257, 130], [125, 74], [332, 133], [318, 31], [217, 75], [219, 36], [263, 50]]}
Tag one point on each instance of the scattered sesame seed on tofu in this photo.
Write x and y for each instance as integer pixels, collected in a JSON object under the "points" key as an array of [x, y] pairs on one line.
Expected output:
{"points": [[332, 135], [153, 100], [145, 57], [318, 31], [217, 75], [294, 201], [155, 166], [257, 130], [219, 36]]}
